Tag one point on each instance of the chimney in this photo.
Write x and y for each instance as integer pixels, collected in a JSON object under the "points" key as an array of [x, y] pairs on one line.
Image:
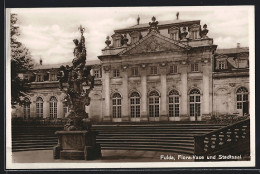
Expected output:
{"points": [[40, 61], [238, 45]]}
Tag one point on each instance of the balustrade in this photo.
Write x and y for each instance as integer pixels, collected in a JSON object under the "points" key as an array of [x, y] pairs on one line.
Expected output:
{"points": [[216, 140]]}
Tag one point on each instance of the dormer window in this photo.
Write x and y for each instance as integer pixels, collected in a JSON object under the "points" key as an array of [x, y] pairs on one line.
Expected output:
{"points": [[39, 78], [53, 77], [195, 31], [135, 36], [221, 65], [117, 38], [174, 33]]}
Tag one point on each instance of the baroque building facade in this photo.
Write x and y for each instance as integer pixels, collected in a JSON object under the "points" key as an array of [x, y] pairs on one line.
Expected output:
{"points": [[168, 71]]}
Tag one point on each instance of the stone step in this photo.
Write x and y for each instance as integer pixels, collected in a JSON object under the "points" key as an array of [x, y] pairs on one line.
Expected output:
{"points": [[142, 143], [179, 151]]}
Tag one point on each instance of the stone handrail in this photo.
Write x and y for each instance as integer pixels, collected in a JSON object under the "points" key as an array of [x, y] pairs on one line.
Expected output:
{"points": [[217, 140]]}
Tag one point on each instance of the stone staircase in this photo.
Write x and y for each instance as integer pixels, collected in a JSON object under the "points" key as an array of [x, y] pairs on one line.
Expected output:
{"points": [[168, 137]]}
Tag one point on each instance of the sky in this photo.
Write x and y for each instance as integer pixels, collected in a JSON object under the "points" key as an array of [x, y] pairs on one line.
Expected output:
{"points": [[49, 32]]}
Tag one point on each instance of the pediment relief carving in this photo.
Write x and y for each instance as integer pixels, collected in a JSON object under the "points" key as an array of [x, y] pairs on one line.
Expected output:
{"points": [[154, 44]]}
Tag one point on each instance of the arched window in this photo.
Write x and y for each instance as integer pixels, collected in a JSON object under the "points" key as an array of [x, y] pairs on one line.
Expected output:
{"points": [[39, 107], [116, 108], [154, 104], [26, 108], [195, 103], [53, 107], [242, 100], [135, 105], [174, 104]]}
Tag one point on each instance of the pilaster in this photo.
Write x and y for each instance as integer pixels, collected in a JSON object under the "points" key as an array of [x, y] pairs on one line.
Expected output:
{"points": [[144, 114], [125, 112], [163, 101]]}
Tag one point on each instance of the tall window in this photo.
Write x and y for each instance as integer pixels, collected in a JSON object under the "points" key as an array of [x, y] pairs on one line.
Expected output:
{"points": [[53, 107], [194, 67], [135, 105], [153, 70], [134, 71], [174, 104], [221, 65], [154, 104], [195, 103], [26, 108], [116, 73], [39, 107], [173, 69], [242, 100], [65, 109], [116, 108]]}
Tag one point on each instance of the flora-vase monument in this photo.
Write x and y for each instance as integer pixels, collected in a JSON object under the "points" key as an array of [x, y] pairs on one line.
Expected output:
{"points": [[77, 141]]}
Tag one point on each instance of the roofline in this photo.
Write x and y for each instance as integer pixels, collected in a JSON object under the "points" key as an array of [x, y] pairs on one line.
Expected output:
{"points": [[161, 26]]}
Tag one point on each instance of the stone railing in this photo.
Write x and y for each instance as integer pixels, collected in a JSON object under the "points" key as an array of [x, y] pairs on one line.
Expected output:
{"points": [[227, 119], [224, 140], [30, 122]]}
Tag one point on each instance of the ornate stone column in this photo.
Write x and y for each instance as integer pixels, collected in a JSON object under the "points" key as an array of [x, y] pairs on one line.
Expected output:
{"points": [[125, 108], [163, 101], [107, 115], [144, 114], [206, 89], [184, 92]]}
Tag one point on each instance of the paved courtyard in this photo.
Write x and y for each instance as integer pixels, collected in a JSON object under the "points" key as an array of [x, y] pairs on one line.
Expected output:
{"points": [[45, 156]]}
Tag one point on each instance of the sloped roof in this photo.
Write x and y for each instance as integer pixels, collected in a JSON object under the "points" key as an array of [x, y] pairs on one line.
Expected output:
{"points": [[232, 50], [161, 23], [49, 66]]}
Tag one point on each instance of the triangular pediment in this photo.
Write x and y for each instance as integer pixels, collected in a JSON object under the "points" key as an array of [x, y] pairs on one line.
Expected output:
{"points": [[154, 42]]}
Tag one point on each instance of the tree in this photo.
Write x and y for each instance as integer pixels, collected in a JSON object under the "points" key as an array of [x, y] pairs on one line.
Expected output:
{"points": [[20, 62]]}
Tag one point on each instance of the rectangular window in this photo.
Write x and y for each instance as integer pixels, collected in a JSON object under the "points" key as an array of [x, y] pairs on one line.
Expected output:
{"points": [[134, 71], [53, 77], [239, 105], [194, 67], [116, 73], [97, 73], [117, 43], [153, 70], [173, 69], [221, 65], [39, 78]]}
